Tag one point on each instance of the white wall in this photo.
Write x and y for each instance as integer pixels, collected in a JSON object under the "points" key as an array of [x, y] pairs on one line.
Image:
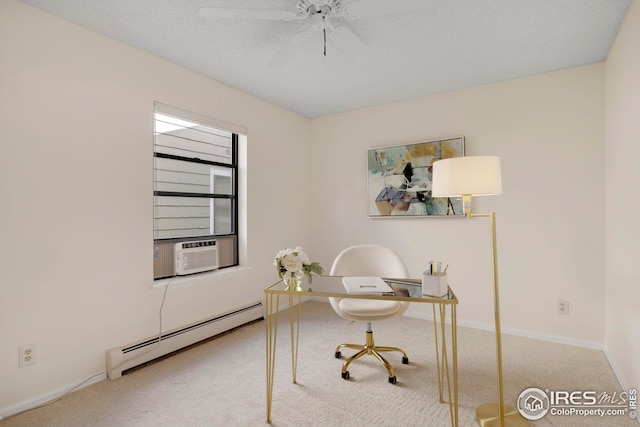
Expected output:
{"points": [[76, 198], [622, 184], [548, 131]]}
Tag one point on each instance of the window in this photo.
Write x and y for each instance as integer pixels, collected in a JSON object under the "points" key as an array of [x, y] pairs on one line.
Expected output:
{"points": [[195, 187]]}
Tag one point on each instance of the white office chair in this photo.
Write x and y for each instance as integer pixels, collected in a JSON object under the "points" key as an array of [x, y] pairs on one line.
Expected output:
{"points": [[369, 260]]}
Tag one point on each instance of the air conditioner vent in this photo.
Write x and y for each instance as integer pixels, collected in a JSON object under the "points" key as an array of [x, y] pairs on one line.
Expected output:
{"points": [[196, 256]]}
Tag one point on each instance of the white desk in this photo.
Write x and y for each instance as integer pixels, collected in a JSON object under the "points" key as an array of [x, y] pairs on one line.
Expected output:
{"points": [[331, 286]]}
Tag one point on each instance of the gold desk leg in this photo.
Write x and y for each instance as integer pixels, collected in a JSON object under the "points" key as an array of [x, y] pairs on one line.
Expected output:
{"points": [[271, 321], [454, 345], [294, 327], [435, 334], [443, 359]]}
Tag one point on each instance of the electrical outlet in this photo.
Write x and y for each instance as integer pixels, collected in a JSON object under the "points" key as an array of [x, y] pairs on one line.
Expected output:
{"points": [[563, 306], [27, 355]]}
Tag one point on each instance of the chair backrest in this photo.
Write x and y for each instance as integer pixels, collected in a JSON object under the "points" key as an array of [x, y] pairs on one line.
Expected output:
{"points": [[369, 260]]}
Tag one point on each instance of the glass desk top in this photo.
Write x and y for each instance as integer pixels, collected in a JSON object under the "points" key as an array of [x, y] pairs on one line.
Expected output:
{"points": [[331, 286]]}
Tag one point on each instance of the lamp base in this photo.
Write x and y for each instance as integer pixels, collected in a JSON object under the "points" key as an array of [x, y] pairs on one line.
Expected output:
{"points": [[488, 415]]}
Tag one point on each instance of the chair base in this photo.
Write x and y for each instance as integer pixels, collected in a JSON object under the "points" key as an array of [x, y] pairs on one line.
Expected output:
{"points": [[371, 349]]}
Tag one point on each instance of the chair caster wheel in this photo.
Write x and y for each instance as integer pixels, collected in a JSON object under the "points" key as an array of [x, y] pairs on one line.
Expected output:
{"points": [[405, 360], [338, 355], [392, 380], [345, 375]]}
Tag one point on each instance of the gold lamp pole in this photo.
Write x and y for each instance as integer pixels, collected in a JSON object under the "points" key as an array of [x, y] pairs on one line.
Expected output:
{"points": [[480, 176]]}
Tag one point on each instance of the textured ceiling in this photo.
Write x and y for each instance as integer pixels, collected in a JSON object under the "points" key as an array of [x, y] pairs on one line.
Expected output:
{"points": [[443, 45]]}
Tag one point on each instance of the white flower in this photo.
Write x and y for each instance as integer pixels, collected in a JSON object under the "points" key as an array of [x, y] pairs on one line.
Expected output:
{"points": [[295, 262], [292, 263], [302, 256], [281, 254]]}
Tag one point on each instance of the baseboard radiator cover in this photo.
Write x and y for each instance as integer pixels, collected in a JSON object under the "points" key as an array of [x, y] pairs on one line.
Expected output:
{"points": [[120, 359]]}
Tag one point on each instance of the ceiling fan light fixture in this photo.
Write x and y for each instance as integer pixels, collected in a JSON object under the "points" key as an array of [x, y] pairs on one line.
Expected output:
{"points": [[324, 7]]}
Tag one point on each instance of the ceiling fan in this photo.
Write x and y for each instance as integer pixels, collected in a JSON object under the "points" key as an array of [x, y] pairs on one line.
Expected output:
{"points": [[320, 13]]}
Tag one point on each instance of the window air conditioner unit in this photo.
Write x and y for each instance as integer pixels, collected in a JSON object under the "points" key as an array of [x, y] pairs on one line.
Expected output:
{"points": [[196, 256]]}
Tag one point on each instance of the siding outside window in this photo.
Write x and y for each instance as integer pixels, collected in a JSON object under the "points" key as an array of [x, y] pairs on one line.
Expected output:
{"points": [[195, 185]]}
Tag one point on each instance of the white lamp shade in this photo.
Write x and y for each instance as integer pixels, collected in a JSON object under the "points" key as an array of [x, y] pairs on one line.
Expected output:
{"points": [[462, 176]]}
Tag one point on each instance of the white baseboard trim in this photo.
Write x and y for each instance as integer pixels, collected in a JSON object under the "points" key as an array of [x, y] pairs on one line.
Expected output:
{"points": [[516, 332], [507, 331], [623, 386], [519, 333], [49, 397]]}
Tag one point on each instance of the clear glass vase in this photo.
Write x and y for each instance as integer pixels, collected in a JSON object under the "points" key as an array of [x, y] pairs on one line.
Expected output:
{"points": [[293, 283]]}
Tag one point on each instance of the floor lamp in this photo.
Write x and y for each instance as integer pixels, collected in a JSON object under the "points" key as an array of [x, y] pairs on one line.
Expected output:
{"points": [[479, 176]]}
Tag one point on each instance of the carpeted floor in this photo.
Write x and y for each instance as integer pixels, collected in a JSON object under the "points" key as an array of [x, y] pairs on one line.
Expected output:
{"points": [[222, 382]]}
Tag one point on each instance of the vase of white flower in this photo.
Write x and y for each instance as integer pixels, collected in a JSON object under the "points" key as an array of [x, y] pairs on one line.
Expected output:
{"points": [[292, 265]]}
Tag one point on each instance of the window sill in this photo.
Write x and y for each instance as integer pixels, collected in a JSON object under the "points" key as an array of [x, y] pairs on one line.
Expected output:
{"points": [[201, 278]]}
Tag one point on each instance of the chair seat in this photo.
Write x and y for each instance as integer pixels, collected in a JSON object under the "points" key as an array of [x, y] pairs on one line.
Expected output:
{"points": [[369, 310]]}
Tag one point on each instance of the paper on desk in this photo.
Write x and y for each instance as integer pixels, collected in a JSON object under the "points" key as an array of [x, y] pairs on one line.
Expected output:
{"points": [[365, 285]]}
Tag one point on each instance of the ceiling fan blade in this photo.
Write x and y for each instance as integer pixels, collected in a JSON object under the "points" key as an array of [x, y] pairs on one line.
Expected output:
{"points": [[360, 9], [294, 44], [351, 45], [278, 15]]}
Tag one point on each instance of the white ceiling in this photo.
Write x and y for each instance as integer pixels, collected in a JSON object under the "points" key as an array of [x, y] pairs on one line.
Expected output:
{"points": [[446, 45]]}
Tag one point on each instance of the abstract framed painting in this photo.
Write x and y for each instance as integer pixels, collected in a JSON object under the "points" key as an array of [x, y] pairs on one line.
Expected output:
{"points": [[399, 179]]}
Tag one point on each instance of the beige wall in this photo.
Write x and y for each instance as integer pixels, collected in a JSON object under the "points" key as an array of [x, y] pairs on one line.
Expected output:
{"points": [[76, 198], [622, 186], [548, 131]]}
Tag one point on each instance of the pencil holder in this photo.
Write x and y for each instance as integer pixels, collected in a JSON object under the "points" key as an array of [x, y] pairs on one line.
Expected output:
{"points": [[434, 285]]}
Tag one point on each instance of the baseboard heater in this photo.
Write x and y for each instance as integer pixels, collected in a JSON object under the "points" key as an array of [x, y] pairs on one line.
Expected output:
{"points": [[123, 358]]}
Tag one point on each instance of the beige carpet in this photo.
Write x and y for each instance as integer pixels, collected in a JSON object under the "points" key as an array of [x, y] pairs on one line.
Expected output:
{"points": [[222, 382]]}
